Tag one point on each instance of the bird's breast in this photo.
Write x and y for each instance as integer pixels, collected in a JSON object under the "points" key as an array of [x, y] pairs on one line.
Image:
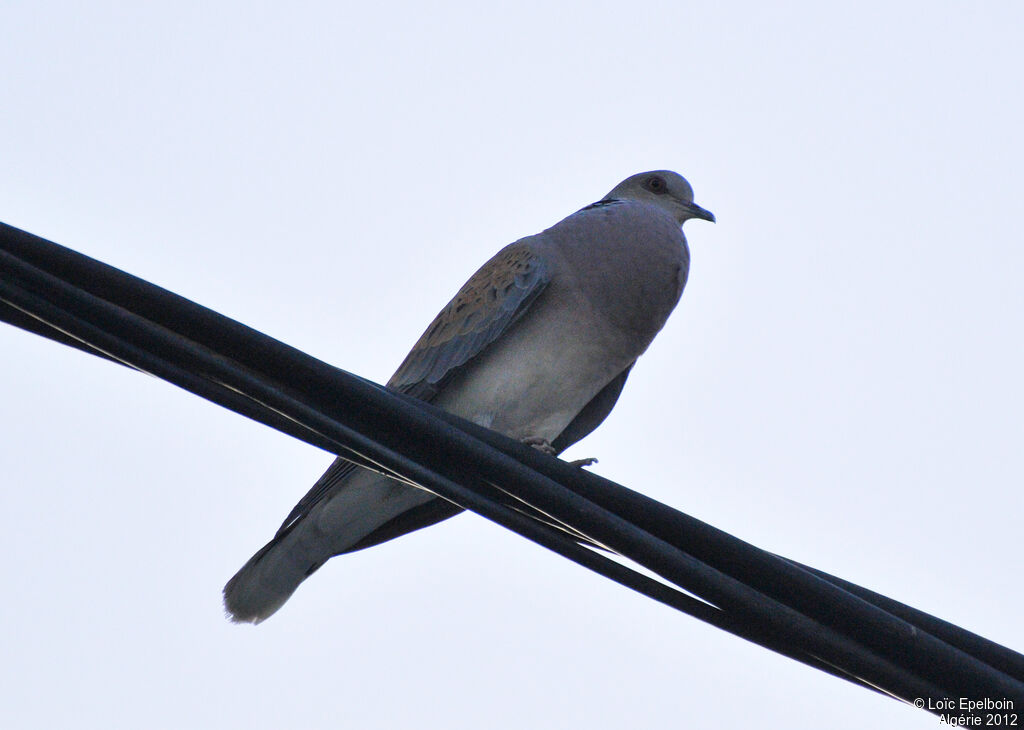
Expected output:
{"points": [[629, 262]]}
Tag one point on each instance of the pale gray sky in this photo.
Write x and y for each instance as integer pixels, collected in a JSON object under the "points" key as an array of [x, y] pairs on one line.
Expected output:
{"points": [[840, 384]]}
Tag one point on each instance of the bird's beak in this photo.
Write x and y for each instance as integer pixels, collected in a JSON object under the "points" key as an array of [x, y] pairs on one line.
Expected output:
{"points": [[695, 211]]}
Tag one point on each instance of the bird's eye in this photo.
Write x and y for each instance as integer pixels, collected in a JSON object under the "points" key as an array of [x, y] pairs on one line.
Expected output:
{"points": [[656, 185]]}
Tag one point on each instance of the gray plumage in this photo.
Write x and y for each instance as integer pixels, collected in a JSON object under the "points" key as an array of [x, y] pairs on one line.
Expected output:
{"points": [[537, 344]]}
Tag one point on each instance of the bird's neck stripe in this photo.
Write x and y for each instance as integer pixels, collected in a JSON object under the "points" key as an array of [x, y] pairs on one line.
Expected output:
{"points": [[602, 204]]}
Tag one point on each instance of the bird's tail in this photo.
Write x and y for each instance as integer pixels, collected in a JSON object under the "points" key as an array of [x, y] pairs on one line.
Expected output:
{"points": [[362, 511], [268, 580]]}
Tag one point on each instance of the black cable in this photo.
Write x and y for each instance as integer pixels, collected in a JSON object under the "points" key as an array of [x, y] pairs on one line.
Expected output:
{"points": [[810, 616]]}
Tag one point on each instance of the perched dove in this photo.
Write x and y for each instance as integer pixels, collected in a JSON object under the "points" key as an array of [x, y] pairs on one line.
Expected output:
{"points": [[537, 345]]}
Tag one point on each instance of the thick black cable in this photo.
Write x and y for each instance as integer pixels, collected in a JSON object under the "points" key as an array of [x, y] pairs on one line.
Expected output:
{"points": [[656, 519], [248, 332]]}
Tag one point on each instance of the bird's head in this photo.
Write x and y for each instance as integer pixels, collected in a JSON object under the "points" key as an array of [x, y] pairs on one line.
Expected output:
{"points": [[662, 188]]}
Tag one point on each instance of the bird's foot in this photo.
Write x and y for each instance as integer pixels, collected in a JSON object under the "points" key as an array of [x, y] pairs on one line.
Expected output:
{"points": [[545, 446], [542, 445]]}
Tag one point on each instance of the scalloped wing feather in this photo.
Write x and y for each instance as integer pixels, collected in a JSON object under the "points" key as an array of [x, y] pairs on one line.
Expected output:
{"points": [[487, 305]]}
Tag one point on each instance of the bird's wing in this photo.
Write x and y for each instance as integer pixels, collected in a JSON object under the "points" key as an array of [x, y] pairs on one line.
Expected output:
{"points": [[484, 309], [593, 414], [493, 299]]}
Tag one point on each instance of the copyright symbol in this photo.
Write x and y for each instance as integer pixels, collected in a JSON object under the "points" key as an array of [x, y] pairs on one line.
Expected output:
{"points": [[919, 703]]}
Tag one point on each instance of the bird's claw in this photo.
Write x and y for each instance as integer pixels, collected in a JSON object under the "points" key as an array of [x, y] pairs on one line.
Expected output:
{"points": [[543, 445]]}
